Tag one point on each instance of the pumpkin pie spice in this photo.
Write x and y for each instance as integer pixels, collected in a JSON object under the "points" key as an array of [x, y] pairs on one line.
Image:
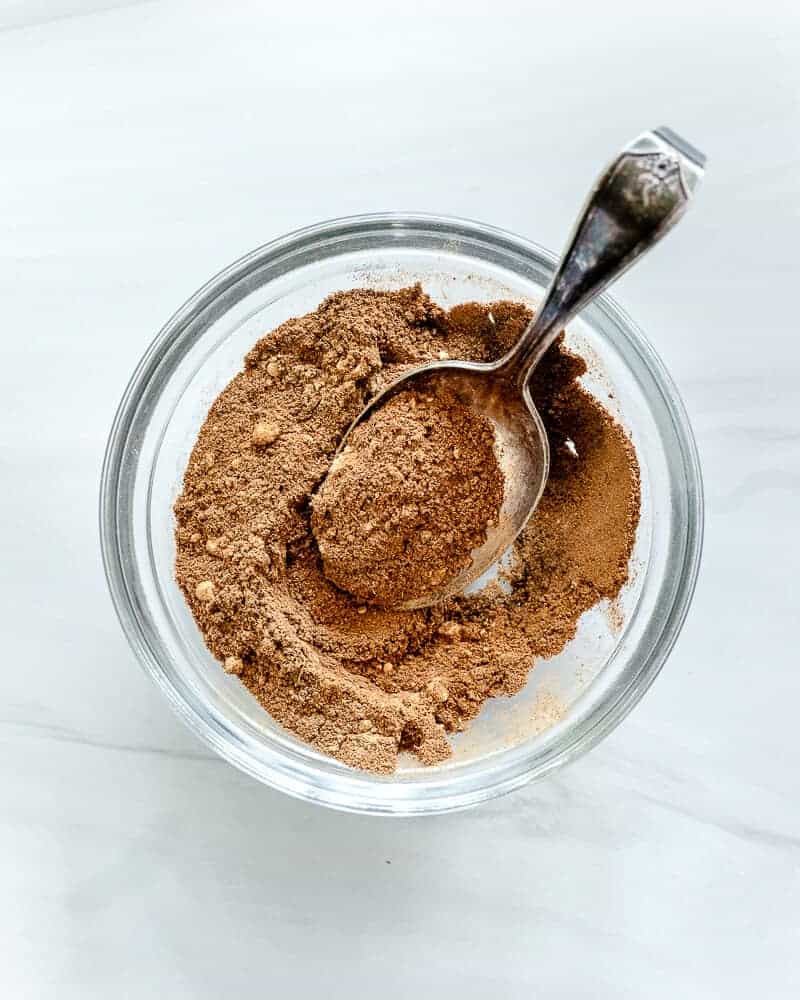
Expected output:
{"points": [[356, 680], [408, 499]]}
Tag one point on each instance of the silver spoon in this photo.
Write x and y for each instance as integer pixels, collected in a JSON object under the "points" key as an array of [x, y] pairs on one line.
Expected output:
{"points": [[635, 201]]}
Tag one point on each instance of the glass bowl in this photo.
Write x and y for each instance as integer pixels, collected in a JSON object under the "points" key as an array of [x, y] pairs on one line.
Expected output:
{"points": [[571, 701]]}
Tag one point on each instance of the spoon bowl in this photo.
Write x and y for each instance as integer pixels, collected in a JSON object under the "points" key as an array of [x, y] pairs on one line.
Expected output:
{"points": [[637, 199], [520, 444]]}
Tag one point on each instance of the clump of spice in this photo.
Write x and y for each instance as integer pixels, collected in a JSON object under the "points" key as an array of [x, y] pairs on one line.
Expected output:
{"points": [[408, 499], [356, 681]]}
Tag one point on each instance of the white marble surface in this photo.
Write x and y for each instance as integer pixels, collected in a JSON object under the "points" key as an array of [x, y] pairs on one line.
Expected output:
{"points": [[145, 145]]}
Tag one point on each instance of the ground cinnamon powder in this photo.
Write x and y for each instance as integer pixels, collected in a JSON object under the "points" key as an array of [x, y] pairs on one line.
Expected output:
{"points": [[356, 681], [408, 499]]}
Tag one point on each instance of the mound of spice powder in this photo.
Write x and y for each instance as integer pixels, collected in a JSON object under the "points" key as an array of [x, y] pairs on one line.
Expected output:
{"points": [[408, 499], [358, 681]]}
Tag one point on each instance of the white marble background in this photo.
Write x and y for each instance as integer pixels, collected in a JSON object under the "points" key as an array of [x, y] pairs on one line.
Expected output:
{"points": [[143, 146]]}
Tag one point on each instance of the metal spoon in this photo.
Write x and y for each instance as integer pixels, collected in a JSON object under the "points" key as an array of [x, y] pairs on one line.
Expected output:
{"points": [[635, 201]]}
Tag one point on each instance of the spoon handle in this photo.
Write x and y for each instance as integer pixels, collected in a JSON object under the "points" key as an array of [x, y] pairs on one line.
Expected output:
{"points": [[639, 197]]}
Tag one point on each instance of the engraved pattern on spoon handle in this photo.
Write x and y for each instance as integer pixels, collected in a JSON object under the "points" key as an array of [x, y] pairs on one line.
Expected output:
{"points": [[633, 204]]}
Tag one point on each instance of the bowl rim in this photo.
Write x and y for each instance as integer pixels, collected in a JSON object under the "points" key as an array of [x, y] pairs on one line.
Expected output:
{"points": [[277, 773]]}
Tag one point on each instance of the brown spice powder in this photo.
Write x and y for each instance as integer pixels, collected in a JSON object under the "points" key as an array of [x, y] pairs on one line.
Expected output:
{"points": [[408, 499], [360, 682]]}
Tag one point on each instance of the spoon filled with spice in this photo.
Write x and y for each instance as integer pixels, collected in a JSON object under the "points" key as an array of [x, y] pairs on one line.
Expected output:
{"points": [[441, 471]]}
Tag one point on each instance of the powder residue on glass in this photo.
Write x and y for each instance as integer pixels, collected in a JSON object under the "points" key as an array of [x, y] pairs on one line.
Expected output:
{"points": [[358, 681]]}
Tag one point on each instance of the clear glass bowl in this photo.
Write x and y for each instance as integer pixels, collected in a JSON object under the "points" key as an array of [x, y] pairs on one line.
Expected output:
{"points": [[571, 701]]}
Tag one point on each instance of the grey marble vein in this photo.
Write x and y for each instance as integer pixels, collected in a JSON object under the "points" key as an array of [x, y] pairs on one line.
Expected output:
{"points": [[21, 16], [60, 734]]}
